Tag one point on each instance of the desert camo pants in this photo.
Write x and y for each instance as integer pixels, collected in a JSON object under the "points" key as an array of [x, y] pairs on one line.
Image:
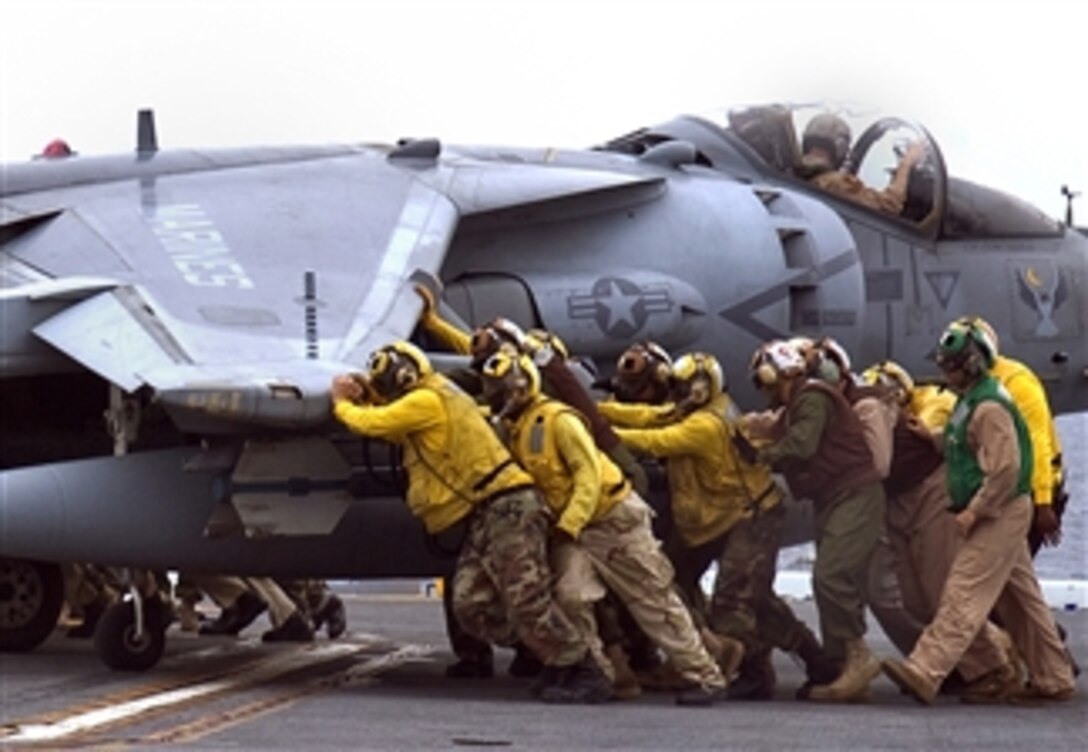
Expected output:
{"points": [[620, 553], [502, 587], [743, 605]]}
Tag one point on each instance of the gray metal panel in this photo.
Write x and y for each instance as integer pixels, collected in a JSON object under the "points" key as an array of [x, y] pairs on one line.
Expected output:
{"points": [[102, 334]]}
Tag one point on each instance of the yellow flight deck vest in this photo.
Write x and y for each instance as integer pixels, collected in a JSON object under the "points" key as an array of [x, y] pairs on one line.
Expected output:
{"points": [[713, 491], [932, 405], [443, 486], [1029, 396], [534, 446]]}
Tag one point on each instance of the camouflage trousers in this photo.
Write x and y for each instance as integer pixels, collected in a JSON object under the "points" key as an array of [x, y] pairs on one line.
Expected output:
{"points": [[743, 605], [502, 587], [620, 553]]}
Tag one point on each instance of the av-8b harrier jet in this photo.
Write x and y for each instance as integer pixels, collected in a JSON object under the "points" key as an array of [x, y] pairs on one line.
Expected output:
{"points": [[202, 300]]}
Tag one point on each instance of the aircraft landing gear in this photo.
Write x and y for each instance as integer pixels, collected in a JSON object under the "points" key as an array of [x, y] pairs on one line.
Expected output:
{"points": [[131, 635], [31, 596]]}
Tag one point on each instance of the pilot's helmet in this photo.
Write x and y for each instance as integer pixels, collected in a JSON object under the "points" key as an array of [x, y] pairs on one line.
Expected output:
{"points": [[964, 346], [396, 369], [537, 338], [890, 374], [510, 380], [984, 327], [642, 373], [776, 361], [696, 379], [487, 339], [829, 133]]}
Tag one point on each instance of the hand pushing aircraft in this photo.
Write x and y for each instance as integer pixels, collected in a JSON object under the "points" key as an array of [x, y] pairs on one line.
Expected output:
{"points": [[202, 300]]}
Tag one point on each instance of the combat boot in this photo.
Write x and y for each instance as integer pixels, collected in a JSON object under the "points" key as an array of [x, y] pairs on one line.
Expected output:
{"points": [[236, 617], [756, 680], [332, 616], [727, 652], [525, 664], [819, 668], [469, 669], [853, 683], [293, 629], [626, 686], [992, 688], [910, 681], [582, 684]]}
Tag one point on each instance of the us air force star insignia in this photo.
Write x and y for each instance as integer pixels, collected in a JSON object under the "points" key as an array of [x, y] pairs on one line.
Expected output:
{"points": [[619, 306]]}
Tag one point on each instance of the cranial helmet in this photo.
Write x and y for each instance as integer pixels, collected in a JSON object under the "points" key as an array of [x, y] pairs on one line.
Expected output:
{"points": [[777, 361], [830, 133], [890, 374], [642, 373], [487, 339], [696, 378], [397, 368], [536, 338], [828, 361], [965, 346], [511, 380]]}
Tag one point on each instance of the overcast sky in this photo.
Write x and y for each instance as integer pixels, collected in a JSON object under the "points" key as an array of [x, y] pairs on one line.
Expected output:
{"points": [[1000, 85]]}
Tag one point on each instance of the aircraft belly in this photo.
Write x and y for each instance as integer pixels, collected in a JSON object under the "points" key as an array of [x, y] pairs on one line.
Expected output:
{"points": [[144, 510]]}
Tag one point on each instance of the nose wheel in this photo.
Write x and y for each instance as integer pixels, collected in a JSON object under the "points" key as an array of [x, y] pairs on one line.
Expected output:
{"points": [[131, 636]]}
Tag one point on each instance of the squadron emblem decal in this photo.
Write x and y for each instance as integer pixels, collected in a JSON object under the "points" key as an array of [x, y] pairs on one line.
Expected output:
{"points": [[619, 306], [1044, 294]]}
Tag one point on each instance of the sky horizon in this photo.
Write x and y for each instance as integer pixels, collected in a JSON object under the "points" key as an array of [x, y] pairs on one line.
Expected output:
{"points": [[995, 83]]}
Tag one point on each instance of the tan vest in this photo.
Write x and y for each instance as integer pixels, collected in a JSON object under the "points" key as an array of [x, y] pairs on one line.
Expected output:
{"points": [[444, 485]]}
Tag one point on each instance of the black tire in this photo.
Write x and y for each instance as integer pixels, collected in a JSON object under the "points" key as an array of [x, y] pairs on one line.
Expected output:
{"points": [[115, 637], [31, 596]]}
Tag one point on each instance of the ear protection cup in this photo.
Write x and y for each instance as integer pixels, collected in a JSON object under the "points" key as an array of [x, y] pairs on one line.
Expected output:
{"points": [[765, 376]]}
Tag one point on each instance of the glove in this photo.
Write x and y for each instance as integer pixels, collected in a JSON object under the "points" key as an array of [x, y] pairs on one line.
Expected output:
{"points": [[429, 303], [1047, 525]]}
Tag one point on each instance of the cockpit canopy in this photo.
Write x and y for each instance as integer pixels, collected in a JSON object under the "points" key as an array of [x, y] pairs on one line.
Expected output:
{"points": [[764, 141]]}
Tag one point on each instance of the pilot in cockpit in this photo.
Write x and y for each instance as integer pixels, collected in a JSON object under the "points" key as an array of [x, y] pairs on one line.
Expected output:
{"points": [[824, 147]]}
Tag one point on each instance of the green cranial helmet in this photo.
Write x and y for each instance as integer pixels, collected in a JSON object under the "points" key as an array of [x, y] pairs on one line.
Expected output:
{"points": [[963, 345]]}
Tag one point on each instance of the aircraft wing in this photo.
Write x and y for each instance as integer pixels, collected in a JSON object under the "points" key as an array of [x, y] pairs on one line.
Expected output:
{"points": [[233, 289]]}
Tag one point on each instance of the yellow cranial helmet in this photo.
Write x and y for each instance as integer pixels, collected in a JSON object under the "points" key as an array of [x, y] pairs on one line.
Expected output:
{"points": [[397, 368], [536, 338], [890, 374], [511, 380], [697, 378]]}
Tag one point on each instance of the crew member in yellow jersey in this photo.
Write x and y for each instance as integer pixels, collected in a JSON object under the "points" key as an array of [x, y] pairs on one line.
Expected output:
{"points": [[603, 527], [459, 471], [727, 509]]}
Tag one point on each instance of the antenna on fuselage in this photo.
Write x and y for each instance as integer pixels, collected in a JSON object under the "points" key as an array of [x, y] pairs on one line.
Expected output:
{"points": [[1069, 196], [147, 143]]}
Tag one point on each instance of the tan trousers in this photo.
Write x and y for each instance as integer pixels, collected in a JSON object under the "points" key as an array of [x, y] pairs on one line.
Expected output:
{"points": [[925, 541], [224, 590], [993, 567], [620, 553]]}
